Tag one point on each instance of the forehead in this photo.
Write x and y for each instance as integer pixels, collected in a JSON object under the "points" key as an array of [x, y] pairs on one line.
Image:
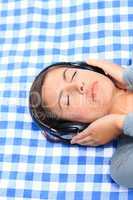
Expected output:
{"points": [[51, 84]]}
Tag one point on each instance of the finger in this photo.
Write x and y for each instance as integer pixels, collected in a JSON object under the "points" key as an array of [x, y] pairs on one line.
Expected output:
{"points": [[91, 143], [92, 62], [81, 135], [84, 140]]}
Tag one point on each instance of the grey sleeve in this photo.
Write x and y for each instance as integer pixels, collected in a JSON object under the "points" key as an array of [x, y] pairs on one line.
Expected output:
{"points": [[128, 77], [128, 125], [128, 121]]}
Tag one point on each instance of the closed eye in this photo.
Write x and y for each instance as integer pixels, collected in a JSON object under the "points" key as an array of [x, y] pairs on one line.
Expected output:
{"points": [[73, 75], [68, 100], [68, 97]]}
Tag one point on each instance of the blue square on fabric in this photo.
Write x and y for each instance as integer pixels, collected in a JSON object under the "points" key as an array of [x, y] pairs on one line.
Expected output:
{"points": [[28, 38], [56, 51], [117, 46], [29, 176], [13, 175], [80, 178], [98, 178], [63, 177], [44, 195], [48, 159], [71, 51], [7, 93], [64, 160], [101, 48], [73, 9], [40, 51], [31, 159], [27, 53], [79, 195], [96, 196], [82, 160], [15, 158], [19, 125], [3, 13], [59, 10], [33, 142], [17, 12], [100, 19], [3, 27], [30, 9], [61, 195], [3, 124], [10, 65], [16, 26], [101, 34], [15, 40], [98, 160], [20, 109], [17, 141], [116, 18], [114, 195], [116, 3], [8, 79], [1, 157], [46, 177], [72, 23], [4, 108], [101, 4], [2, 141], [10, 192], [72, 37], [0, 174], [27, 193]]}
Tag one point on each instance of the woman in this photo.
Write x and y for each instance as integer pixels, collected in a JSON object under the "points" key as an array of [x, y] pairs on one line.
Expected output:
{"points": [[106, 103]]}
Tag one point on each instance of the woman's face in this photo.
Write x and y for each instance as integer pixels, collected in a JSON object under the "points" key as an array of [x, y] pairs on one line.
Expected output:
{"points": [[68, 92]]}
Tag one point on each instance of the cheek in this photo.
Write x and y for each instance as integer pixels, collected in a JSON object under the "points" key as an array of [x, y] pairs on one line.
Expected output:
{"points": [[78, 114]]}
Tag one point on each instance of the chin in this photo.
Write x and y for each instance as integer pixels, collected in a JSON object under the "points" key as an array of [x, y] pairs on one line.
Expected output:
{"points": [[106, 92]]}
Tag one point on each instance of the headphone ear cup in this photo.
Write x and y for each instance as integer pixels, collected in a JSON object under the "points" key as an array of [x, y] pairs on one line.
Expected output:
{"points": [[72, 127], [50, 137]]}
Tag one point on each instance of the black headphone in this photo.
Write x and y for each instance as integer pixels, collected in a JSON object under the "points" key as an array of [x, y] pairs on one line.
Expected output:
{"points": [[60, 130]]}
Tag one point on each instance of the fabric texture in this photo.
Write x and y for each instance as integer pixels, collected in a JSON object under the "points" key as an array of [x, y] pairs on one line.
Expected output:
{"points": [[128, 77], [33, 35], [128, 121], [128, 124]]}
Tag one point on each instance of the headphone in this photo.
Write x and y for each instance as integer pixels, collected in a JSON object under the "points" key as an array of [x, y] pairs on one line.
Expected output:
{"points": [[54, 129]]}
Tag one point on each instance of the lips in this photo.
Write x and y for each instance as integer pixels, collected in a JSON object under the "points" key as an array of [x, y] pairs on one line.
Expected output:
{"points": [[91, 91]]}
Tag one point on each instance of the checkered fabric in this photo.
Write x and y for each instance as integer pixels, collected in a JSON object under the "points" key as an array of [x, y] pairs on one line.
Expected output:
{"points": [[34, 34]]}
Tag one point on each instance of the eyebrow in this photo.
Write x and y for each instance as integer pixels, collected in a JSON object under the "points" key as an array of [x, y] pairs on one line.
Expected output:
{"points": [[61, 92]]}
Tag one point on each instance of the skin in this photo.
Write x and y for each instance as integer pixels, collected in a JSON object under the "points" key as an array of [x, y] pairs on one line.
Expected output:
{"points": [[109, 98]]}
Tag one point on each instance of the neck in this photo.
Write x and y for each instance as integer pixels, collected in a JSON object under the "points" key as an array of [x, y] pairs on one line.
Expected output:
{"points": [[119, 102]]}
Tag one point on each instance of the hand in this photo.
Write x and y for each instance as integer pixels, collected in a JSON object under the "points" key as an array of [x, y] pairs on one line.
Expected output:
{"points": [[114, 71], [100, 132]]}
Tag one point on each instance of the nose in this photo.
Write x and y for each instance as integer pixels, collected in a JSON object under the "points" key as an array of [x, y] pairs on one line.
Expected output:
{"points": [[76, 86]]}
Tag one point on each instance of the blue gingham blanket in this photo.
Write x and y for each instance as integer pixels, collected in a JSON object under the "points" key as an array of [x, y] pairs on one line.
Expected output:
{"points": [[34, 34]]}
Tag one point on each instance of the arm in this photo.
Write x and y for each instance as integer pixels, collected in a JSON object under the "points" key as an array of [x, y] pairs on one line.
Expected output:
{"points": [[128, 78], [125, 123]]}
